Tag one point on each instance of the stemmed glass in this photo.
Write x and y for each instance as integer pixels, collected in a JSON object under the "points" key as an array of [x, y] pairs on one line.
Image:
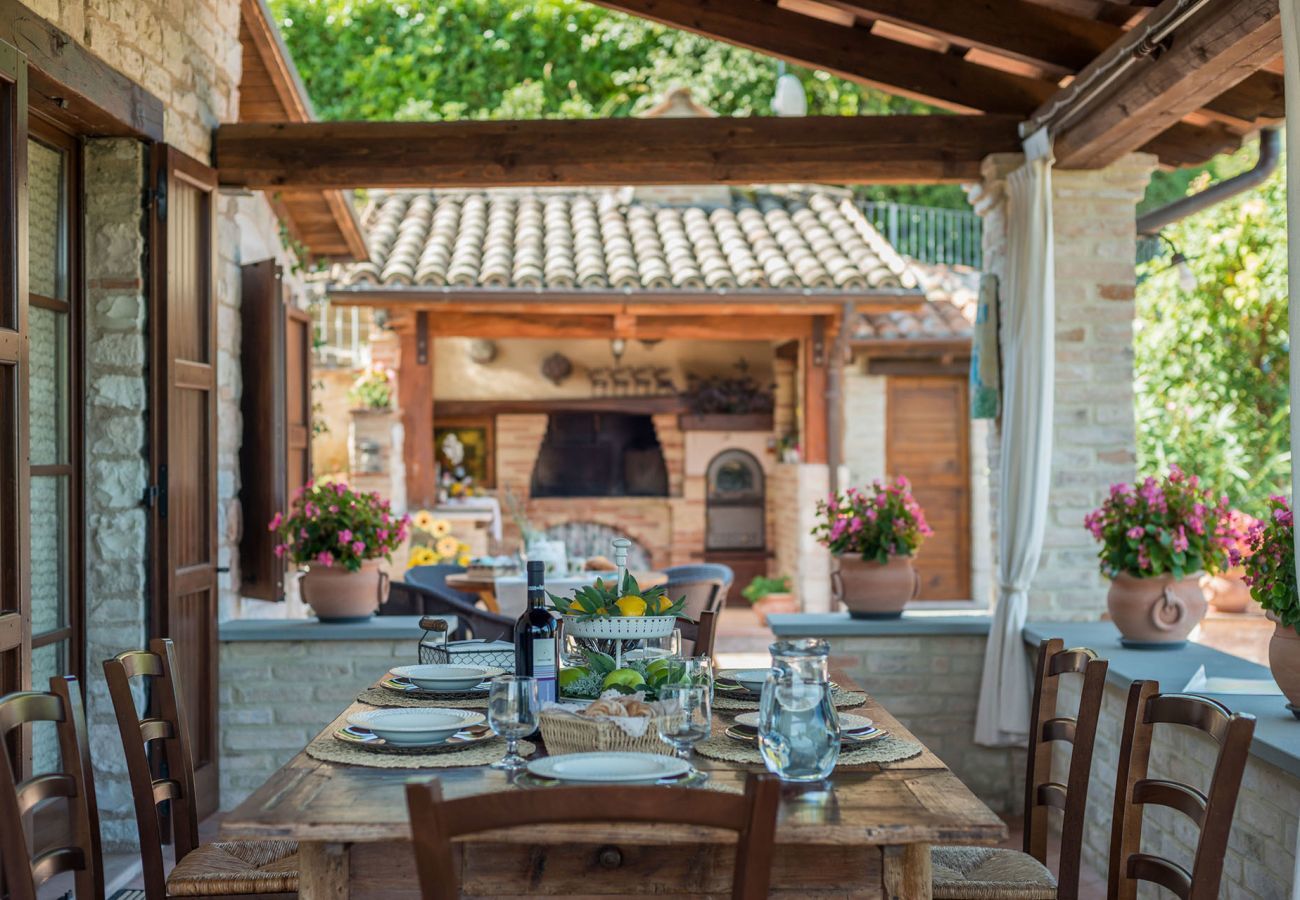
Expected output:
{"points": [[512, 714], [691, 720]]}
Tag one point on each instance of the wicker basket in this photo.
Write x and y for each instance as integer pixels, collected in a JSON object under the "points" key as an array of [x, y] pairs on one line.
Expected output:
{"points": [[568, 733]]}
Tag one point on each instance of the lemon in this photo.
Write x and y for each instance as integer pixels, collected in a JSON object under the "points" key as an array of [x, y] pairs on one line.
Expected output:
{"points": [[631, 605], [571, 675], [662, 603], [576, 608], [625, 677]]}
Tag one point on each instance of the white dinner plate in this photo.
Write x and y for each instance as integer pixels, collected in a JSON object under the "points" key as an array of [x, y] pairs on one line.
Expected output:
{"points": [[445, 677], [410, 727], [848, 721], [609, 767], [750, 679]]}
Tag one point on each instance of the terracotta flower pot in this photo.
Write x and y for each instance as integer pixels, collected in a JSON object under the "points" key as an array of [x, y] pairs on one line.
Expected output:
{"points": [[1155, 612], [775, 603], [1284, 660], [873, 590], [337, 595], [1228, 593]]}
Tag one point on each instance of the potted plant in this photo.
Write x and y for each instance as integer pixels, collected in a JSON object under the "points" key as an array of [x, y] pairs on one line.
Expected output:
{"points": [[340, 536], [770, 595], [1158, 538], [728, 403], [1270, 572], [372, 389], [1227, 591], [873, 535]]}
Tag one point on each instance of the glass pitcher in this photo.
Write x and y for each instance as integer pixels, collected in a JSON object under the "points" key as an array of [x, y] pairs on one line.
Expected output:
{"points": [[798, 729]]}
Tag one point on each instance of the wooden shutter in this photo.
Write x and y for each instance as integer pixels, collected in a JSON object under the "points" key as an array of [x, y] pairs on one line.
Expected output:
{"points": [[183, 440], [275, 457], [927, 438], [15, 555]]}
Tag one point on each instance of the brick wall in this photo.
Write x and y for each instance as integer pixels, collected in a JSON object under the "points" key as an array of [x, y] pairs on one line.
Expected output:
{"points": [[1093, 429], [1260, 863]]}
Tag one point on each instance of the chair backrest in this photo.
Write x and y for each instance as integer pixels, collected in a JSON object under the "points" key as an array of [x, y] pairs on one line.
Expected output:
{"points": [[76, 849], [435, 822], [1148, 707], [169, 777], [471, 621], [702, 594], [700, 633], [1047, 729], [436, 577], [698, 571]]}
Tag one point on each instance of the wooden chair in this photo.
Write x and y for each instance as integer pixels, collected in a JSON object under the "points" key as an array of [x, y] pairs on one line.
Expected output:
{"points": [[76, 849], [701, 634], [435, 822], [1134, 790], [702, 594], [993, 873], [226, 868]]}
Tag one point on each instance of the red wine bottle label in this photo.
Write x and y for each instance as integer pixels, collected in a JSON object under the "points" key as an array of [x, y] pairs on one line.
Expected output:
{"points": [[544, 668]]}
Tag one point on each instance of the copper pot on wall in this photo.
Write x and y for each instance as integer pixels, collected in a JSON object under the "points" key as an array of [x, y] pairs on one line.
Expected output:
{"points": [[874, 590]]}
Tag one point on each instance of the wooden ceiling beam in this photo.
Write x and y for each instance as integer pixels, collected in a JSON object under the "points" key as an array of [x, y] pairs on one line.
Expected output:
{"points": [[724, 150], [1216, 49], [852, 53], [685, 327]]}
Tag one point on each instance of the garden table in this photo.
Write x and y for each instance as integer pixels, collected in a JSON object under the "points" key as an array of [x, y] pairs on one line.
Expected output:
{"points": [[869, 836]]}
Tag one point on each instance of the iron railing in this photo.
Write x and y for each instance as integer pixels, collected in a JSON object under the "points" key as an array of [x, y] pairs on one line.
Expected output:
{"points": [[926, 233], [342, 336]]}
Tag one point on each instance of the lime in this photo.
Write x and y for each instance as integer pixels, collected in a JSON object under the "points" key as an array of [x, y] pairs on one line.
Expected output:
{"points": [[625, 677], [572, 675], [658, 665]]}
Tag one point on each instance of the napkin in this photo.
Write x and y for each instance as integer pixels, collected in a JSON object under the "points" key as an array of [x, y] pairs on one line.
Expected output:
{"points": [[1201, 683]]}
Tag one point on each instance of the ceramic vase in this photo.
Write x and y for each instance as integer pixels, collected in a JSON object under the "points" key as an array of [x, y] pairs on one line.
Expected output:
{"points": [[874, 590], [1156, 612], [337, 595]]}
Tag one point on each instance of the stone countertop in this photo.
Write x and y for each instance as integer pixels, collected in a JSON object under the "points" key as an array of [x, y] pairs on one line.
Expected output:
{"points": [[379, 628], [832, 625], [1277, 732]]}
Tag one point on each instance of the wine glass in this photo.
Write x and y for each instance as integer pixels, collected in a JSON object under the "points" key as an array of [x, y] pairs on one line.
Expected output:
{"points": [[512, 714], [690, 719]]}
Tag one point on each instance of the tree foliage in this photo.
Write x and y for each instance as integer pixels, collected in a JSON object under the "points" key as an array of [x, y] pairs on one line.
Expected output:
{"points": [[1212, 362], [436, 60]]}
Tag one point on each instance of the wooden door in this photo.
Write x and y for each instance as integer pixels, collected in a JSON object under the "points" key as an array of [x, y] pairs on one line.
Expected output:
{"points": [[184, 442], [15, 554], [927, 438]]}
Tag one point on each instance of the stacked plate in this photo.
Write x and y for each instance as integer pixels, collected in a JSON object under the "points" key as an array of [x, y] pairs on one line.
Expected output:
{"points": [[441, 679], [611, 768], [854, 730]]}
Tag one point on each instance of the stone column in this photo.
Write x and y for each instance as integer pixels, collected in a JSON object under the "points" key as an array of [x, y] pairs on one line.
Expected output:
{"points": [[1093, 429]]}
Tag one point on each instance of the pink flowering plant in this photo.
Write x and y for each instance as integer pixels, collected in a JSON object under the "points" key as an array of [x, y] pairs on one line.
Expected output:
{"points": [[1163, 525], [330, 524], [882, 521], [1269, 561]]}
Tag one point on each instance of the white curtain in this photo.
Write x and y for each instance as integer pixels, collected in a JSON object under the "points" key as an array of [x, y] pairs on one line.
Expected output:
{"points": [[1028, 310], [1291, 56]]}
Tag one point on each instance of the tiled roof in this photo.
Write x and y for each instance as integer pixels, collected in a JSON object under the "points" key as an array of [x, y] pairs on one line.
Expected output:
{"points": [[778, 239]]}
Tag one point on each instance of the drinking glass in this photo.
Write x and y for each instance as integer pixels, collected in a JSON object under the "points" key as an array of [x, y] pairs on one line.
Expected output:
{"points": [[798, 729], [512, 713], [689, 721], [652, 648]]}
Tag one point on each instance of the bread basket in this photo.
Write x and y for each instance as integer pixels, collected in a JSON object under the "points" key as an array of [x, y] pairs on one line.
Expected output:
{"points": [[566, 732]]}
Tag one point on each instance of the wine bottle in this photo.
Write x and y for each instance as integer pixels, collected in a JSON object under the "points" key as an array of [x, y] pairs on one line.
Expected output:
{"points": [[537, 637]]}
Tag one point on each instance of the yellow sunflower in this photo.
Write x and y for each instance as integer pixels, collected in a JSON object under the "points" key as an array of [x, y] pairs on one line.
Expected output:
{"points": [[424, 521], [420, 556], [463, 560], [447, 546], [439, 528]]}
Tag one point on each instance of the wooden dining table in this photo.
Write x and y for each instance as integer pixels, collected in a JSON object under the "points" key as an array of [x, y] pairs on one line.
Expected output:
{"points": [[864, 834]]}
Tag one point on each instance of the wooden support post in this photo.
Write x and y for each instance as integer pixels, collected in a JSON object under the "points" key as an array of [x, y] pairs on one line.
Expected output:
{"points": [[813, 356], [323, 871], [415, 398], [907, 872]]}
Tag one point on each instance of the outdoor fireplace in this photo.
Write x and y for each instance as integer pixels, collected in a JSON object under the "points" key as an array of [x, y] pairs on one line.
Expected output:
{"points": [[599, 455]]}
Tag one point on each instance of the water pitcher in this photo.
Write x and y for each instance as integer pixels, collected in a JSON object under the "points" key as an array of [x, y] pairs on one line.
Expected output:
{"points": [[798, 730]]}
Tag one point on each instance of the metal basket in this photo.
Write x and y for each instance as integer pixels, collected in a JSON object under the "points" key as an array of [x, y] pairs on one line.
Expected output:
{"points": [[435, 649]]}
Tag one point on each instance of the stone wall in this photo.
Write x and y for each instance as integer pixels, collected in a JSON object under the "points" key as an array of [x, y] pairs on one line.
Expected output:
{"points": [[117, 473], [1260, 864], [792, 494], [864, 425], [1093, 429]]}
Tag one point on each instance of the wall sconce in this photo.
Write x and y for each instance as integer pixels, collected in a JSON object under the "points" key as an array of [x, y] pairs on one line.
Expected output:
{"points": [[482, 351], [617, 347]]}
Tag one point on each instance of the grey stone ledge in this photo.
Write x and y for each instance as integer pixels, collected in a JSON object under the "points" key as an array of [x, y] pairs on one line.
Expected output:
{"points": [[1277, 732], [380, 628], [831, 625]]}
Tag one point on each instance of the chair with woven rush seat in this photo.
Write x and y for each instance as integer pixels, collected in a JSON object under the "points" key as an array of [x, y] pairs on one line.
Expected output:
{"points": [[435, 822], [1212, 814], [73, 784], [996, 873], [226, 868]]}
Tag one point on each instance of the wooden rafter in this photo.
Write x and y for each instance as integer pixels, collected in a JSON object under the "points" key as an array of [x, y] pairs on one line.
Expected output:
{"points": [[838, 149], [1216, 49]]}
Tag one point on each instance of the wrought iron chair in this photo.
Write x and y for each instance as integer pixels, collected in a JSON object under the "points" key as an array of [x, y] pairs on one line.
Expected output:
{"points": [[993, 873], [77, 849], [1134, 791], [223, 868], [704, 572], [436, 577], [435, 822], [471, 620]]}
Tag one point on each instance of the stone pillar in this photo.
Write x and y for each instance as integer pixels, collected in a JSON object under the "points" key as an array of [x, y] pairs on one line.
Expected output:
{"points": [[1093, 429]]}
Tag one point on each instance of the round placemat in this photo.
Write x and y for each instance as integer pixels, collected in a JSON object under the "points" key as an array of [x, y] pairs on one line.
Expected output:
{"points": [[841, 698], [327, 749], [886, 750], [377, 696]]}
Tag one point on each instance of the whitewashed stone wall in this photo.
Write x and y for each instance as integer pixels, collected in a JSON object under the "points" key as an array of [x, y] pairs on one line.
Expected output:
{"points": [[1260, 863], [116, 472], [864, 425], [792, 495], [1093, 430]]}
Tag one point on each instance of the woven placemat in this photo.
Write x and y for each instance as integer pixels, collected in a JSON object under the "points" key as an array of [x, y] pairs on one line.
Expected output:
{"points": [[377, 696], [839, 696], [328, 749], [886, 750]]}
